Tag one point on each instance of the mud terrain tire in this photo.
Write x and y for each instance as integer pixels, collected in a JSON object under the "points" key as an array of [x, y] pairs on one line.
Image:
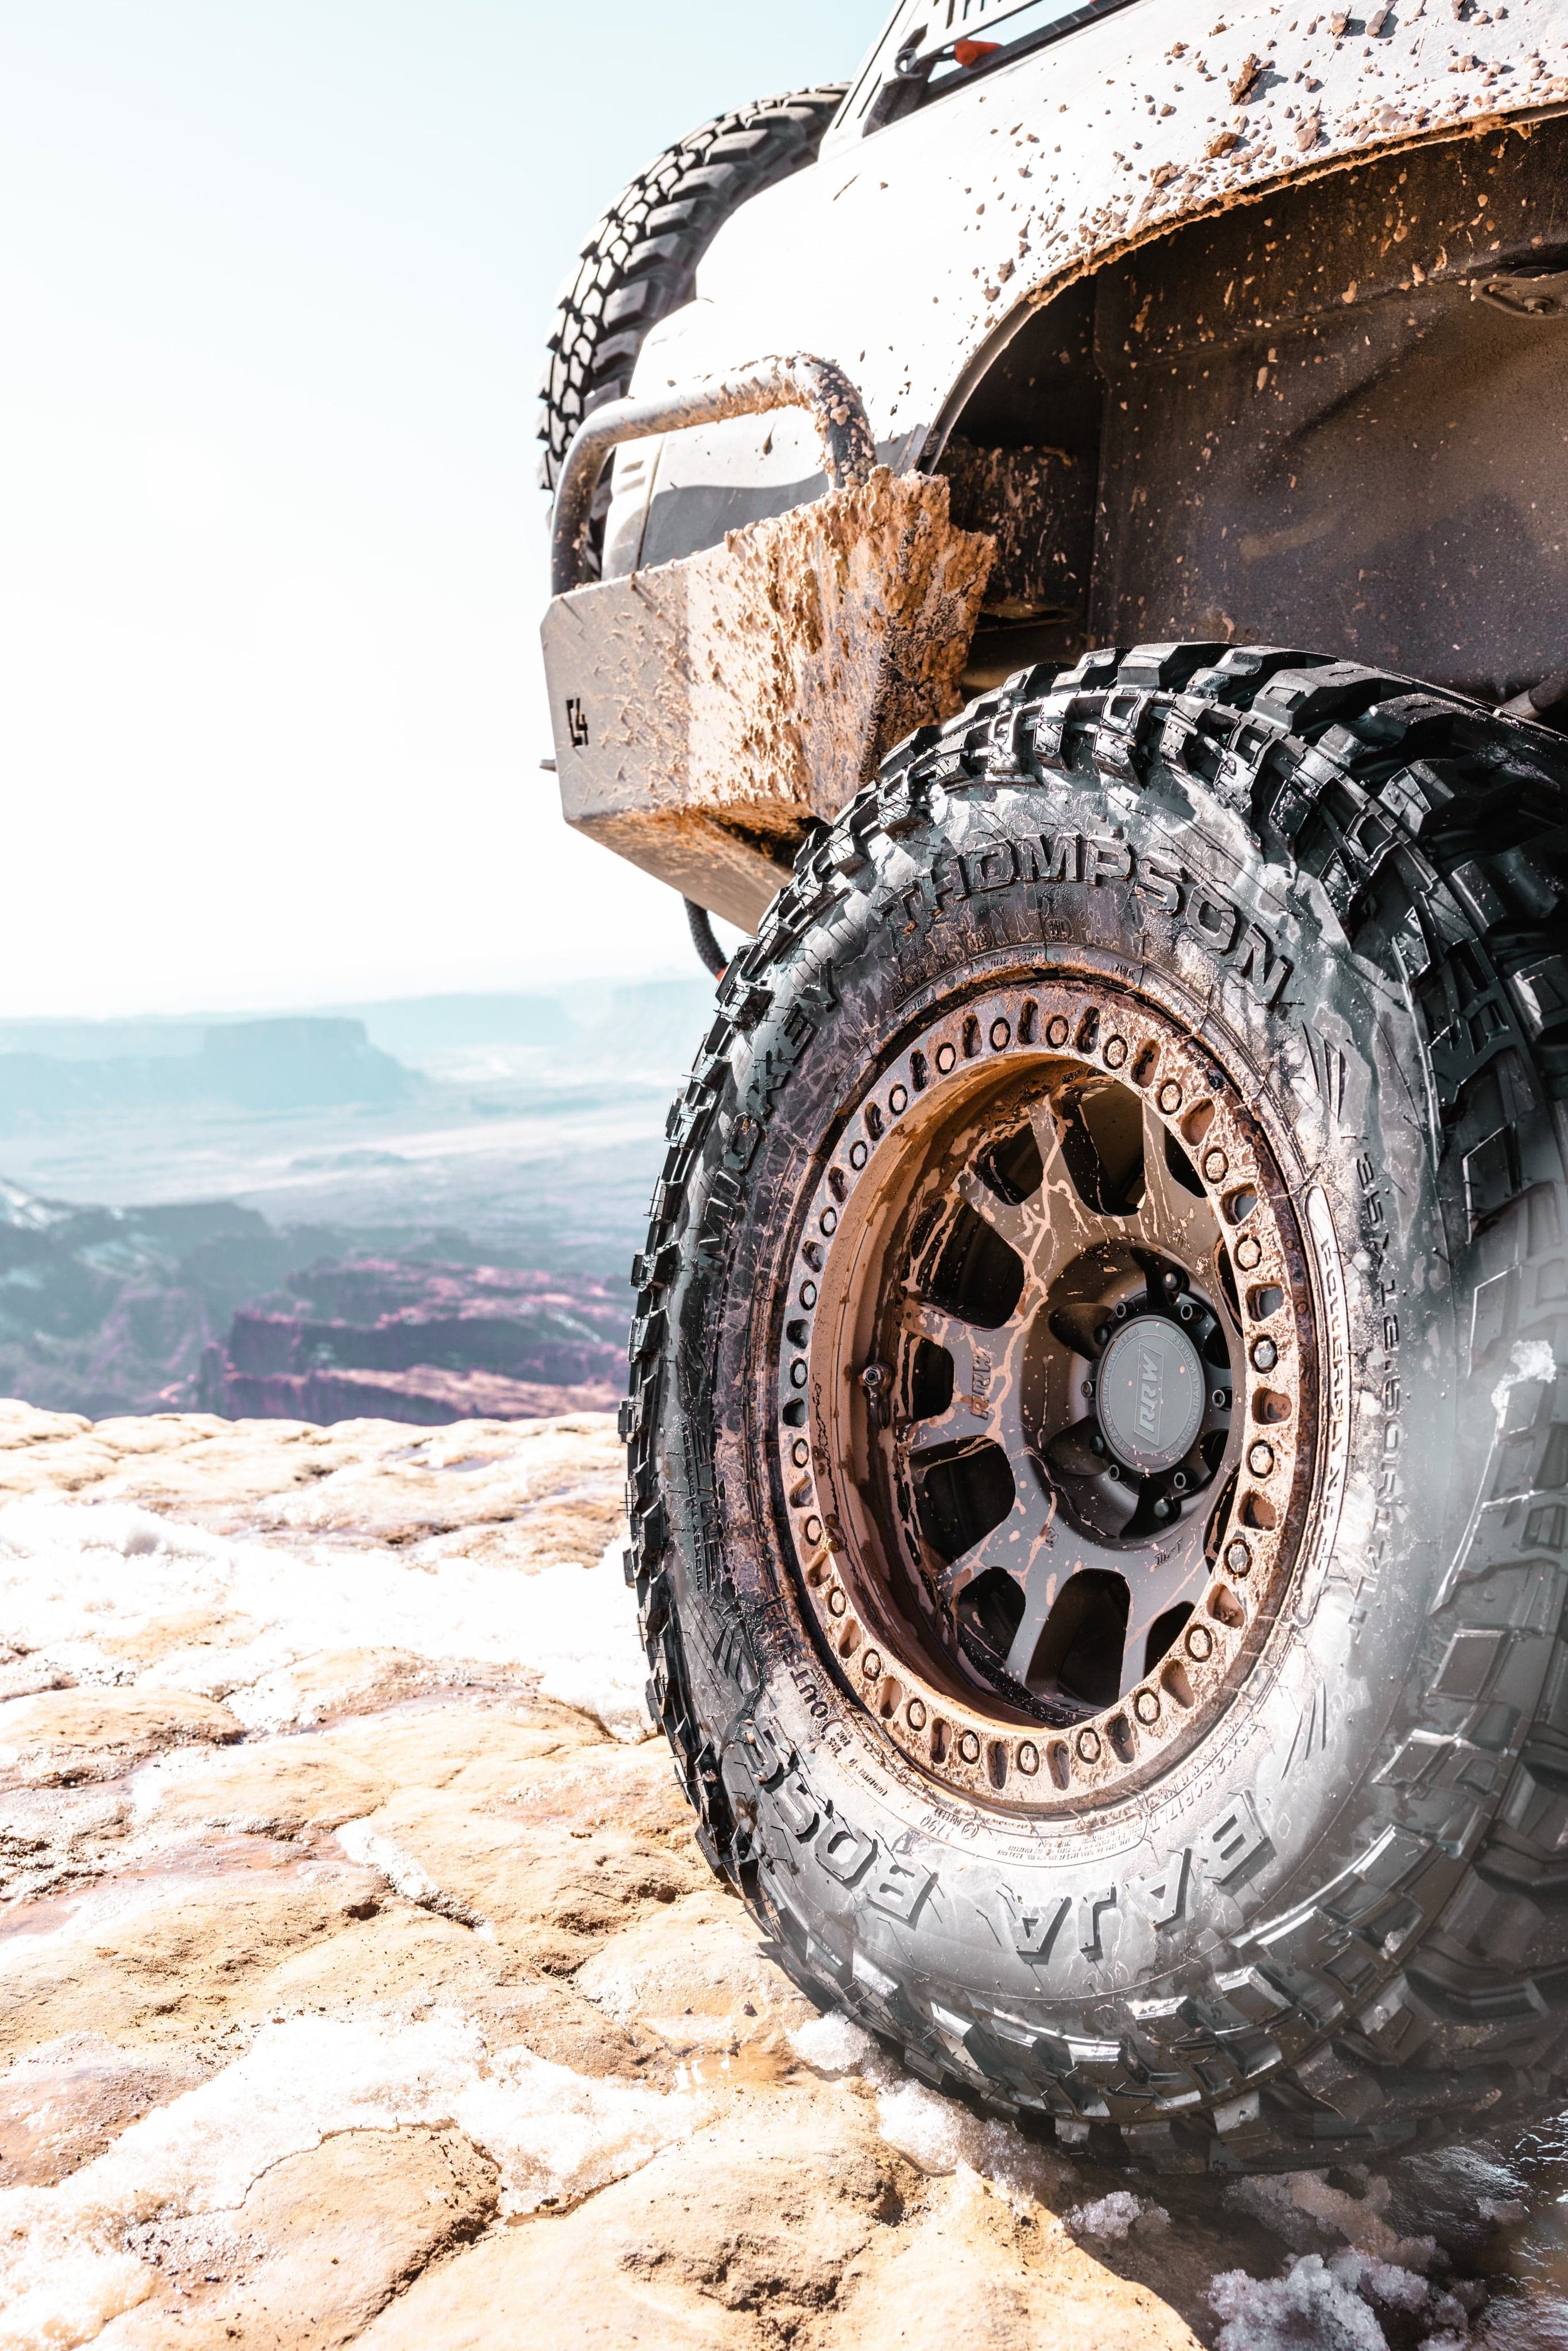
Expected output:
{"points": [[641, 262], [1296, 1890]]}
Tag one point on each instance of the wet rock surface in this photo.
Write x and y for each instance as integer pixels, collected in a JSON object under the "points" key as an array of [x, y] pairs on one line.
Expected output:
{"points": [[362, 1982]]}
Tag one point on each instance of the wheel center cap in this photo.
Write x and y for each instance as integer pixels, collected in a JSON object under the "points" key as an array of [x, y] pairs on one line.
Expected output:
{"points": [[1149, 1394]]}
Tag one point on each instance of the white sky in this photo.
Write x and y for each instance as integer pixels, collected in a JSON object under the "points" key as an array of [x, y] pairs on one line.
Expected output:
{"points": [[275, 280]]}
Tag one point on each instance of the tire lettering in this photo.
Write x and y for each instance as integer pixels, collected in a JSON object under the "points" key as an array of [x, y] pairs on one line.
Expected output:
{"points": [[1235, 1847], [1163, 1894], [765, 1759], [1107, 860], [1091, 1909], [899, 1888], [1217, 919], [1255, 962], [1058, 858], [798, 1807], [844, 1853], [1034, 1925], [1095, 859], [992, 868], [1159, 878]]}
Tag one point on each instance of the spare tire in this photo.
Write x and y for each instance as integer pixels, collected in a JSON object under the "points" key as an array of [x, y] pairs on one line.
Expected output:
{"points": [[641, 262], [1098, 1467]]}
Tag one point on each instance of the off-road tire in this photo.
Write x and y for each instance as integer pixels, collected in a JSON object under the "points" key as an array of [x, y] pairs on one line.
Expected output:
{"points": [[641, 262], [1337, 1921]]}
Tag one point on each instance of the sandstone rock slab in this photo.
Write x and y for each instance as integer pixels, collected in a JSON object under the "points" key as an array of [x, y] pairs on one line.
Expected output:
{"points": [[362, 1982]]}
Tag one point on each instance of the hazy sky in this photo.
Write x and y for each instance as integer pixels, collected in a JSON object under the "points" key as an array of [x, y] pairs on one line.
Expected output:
{"points": [[276, 280]]}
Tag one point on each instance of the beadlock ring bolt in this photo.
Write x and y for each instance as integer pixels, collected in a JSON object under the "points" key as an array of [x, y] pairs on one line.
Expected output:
{"points": [[1238, 1558], [1265, 1354]]}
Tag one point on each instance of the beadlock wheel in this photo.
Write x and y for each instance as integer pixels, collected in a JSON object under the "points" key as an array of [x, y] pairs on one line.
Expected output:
{"points": [[1046, 1386]]}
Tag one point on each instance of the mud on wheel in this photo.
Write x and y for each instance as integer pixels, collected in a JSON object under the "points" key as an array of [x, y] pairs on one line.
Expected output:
{"points": [[1098, 1470]]}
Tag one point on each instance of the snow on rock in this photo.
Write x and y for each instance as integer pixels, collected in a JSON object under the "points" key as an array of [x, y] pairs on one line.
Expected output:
{"points": [[1114, 2215], [366, 1979], [1308, 2305], [554, 2135], [833, 2045], [82, 1583]]}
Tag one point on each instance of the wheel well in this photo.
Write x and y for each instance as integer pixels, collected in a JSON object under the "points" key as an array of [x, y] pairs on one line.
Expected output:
{"points": [[1281, 423]]}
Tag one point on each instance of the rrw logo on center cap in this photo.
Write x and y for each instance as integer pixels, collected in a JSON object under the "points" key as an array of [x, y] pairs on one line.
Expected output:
{"points": [[1151, 1395]]}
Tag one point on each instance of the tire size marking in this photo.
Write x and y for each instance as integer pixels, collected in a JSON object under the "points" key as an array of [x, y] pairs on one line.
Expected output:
{"points": [[1334, 1336], [1375, 1240]]}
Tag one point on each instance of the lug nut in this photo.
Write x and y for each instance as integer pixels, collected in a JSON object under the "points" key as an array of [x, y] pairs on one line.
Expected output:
{"points": [[1162, 1509], [1102, 1333]]}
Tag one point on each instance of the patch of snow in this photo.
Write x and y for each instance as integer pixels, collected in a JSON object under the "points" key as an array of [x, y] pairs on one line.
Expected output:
{"points": [[1532, 1360], [555, 2136], [1380, 2282], [80, 1580], [1114, 2215], [1308, 2305], [935, 2132], [591, 1652], [364, 1843], [940, 2136], [833, 2045]]}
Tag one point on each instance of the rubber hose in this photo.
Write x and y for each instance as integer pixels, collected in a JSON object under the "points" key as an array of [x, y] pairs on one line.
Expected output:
{"points": [[713, 956]]}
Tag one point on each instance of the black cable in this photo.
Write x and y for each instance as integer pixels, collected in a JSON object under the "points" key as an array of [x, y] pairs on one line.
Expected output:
{"points": [[713, 956]]}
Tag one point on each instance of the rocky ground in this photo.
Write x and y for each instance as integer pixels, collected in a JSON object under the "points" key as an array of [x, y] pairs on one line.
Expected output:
{"points": [[363, 1982]]}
